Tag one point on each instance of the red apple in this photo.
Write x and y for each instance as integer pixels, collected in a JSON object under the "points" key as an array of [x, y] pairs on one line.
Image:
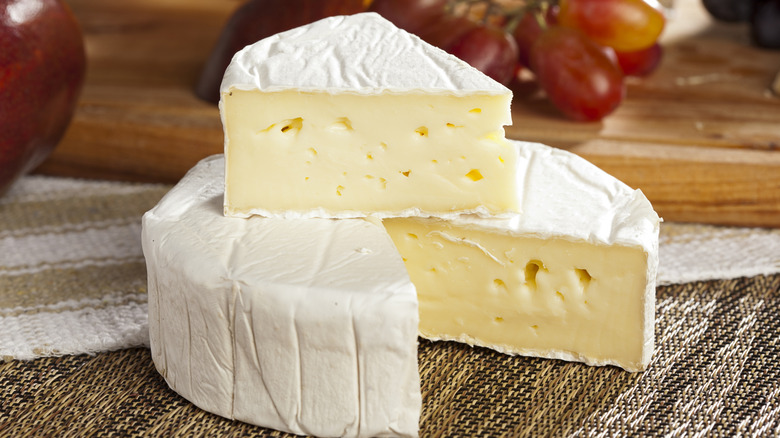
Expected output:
{"points": [[257, 19], [42, 68]]}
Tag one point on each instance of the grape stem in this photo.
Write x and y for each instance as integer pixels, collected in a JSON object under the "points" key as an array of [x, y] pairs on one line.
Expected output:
{"points": [[491, 6], [537, 7], [513, 15], [540, 14]]}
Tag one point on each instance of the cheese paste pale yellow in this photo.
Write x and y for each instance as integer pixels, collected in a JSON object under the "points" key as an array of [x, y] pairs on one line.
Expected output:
{"points": [[526, 295], [357, 155]]}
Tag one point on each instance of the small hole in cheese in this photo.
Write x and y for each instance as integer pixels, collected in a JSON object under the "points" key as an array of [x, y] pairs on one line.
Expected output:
{"points": [[412, 235], [499, 319], [339, 189], [292, 125], [531, 269], [475, 110], [342, 124], [422, 131], [267, 129], [406, 173], [560, 295], [474, 175], [584, 276], [493, 136], [499, 284]]}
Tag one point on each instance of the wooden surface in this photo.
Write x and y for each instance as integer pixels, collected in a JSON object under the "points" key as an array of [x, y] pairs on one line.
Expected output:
{"points": [[701, 137]]}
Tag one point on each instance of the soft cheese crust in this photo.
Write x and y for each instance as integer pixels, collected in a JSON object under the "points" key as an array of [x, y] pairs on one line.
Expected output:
{"points": [[305, 326], [362, 54]]}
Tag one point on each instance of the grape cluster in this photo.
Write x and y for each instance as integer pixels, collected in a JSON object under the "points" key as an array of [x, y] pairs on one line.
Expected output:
{"points": [[763, 16], [580, 51]]}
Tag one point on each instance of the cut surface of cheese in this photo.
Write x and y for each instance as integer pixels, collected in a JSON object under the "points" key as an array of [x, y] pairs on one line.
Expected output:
{"points": [[572, 277], [350, 116], [306, 326]]}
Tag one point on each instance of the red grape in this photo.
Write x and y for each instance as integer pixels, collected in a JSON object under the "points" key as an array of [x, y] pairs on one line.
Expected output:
{"points": [[410, 15], [624, 25], [577, 75], [446, 31], [528, 30], [490, 50], [641, 62]]}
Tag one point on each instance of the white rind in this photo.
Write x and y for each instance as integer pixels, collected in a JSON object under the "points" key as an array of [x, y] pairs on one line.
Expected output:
{"points": [[352, 214], [563, 195], [309, 327], [361, 54], [568, 356]]}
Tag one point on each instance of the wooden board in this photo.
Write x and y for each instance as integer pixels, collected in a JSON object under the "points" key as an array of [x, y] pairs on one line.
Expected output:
{"points": [[701, 137]]}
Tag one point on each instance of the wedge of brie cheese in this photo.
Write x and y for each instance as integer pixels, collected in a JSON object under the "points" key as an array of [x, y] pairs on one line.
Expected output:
{"points": [[571, 277], [306, 326], [350, 116]]}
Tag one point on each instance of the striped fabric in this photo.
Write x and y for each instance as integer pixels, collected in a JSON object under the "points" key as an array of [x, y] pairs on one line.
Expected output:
{"points": [[72, 274], [73, 279]]}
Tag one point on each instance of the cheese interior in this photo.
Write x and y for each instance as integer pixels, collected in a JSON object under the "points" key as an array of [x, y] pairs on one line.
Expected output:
{"points": [[295, 151], [527, 295]]}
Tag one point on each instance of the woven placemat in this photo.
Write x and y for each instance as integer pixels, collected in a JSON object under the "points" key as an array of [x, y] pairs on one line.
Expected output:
{"points": [[715, 372]]}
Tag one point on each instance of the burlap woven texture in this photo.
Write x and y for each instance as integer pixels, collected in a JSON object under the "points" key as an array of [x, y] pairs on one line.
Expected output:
{"points": [[715, 373]]}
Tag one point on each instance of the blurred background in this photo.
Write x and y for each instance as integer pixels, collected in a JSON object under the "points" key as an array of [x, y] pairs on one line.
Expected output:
{"points": [[699, 134]]}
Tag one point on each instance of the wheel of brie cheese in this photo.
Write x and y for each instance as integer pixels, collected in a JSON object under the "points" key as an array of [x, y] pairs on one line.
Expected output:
{"points": [[307, 326], [310, 325], [376, 201]]}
